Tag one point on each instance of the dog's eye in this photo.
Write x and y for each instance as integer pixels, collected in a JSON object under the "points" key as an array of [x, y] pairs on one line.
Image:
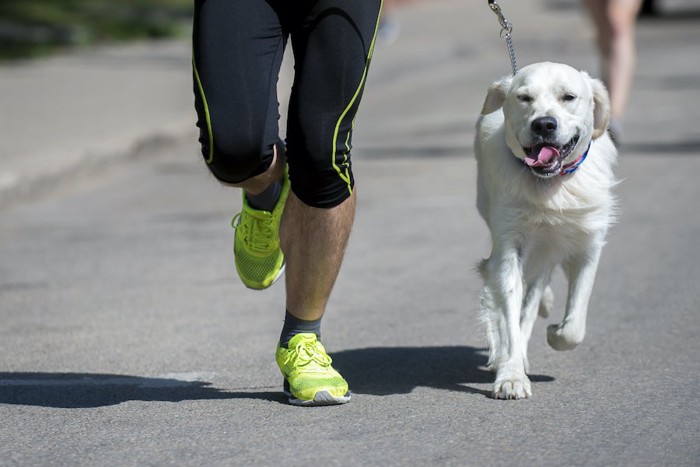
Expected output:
{"points": [[524, 98], [569, 97]]}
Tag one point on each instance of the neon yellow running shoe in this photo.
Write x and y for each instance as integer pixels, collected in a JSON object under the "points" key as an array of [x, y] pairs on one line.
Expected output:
{"points": [[256, 245], [309, 378]]}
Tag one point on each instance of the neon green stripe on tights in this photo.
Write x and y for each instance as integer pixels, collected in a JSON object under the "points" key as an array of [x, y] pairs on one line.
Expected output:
{"points": [[210, 158], [345, 174]]}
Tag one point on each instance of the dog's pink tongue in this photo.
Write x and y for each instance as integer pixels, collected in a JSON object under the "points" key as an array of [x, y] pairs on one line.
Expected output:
{"points": [[544, 157]]}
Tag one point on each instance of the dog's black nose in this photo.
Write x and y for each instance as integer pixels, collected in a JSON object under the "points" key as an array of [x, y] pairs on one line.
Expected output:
{"points": [[544, 126]]}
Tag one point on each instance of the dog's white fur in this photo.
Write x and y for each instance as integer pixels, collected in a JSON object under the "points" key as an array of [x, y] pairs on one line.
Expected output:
{"points": [[538, 221]]}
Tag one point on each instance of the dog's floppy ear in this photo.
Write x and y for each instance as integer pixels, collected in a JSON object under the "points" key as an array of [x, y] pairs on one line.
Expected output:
{"points": [[601, 108], [496, 95]]}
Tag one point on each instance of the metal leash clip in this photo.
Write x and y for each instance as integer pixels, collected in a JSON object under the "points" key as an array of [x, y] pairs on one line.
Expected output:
{"points": [[506, 30]]}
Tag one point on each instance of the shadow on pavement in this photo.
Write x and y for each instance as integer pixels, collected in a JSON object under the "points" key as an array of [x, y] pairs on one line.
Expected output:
{"points": [[81, 390], [379, 371], [398, 370]]}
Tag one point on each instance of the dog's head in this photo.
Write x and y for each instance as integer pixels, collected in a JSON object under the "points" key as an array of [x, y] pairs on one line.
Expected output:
{"points": [[552, 112]]}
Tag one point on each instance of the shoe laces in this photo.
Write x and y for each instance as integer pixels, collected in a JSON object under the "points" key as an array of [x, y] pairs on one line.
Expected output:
{"points": [[308, 353], [258, 232]]}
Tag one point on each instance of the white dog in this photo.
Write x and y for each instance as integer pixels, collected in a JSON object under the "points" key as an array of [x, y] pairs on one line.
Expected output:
{"points": [[545, 179]]}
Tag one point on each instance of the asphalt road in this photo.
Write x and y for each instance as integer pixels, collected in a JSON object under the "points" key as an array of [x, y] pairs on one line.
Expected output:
{"points": [[125, 338]]}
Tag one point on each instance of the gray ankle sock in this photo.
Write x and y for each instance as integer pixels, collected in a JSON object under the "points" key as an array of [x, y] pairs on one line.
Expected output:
{"points": [[267, 200], [293, 326]]}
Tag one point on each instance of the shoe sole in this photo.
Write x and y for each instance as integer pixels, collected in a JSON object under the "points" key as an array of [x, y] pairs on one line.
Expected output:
{"points": [[279, 274], [321, 398]]}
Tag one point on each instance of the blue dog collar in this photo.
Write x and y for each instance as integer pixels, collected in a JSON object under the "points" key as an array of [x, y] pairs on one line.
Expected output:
{"points": [[571, 168]]}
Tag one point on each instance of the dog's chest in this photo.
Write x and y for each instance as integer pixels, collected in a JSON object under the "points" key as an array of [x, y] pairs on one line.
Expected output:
{"points": [[561, 225], [572, 201]]}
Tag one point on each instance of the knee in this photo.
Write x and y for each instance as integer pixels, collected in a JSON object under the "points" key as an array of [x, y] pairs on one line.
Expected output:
{"points": [[621, 22], [234, 167], [321, 186], [233, 159]]}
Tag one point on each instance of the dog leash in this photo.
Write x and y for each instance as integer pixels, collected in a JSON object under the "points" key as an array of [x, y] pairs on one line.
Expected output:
{"points": [[506, 30]]}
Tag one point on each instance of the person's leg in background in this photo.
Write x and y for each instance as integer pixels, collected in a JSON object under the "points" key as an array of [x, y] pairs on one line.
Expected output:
{"points": [[615, 22]]}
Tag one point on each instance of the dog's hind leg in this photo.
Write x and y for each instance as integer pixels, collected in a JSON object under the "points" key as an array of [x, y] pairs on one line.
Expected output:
{"points": [[547, 302], [580, 272]]}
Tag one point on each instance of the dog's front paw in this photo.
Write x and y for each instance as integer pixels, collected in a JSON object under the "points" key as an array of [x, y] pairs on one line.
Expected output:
{"points": [[564, 336], [512, 387]]}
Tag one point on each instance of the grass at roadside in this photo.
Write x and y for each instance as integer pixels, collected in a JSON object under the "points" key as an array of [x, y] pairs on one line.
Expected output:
{"points": [[38, 27]]}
